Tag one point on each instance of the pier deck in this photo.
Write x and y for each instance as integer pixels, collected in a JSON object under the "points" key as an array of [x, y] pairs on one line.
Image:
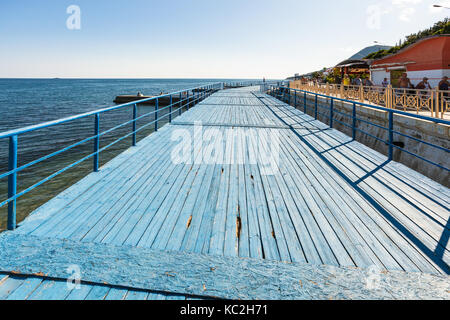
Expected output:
{"points": [[329, 201]]}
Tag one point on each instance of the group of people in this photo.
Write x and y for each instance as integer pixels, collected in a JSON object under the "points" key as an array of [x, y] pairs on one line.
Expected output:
{"points": [[356, 81], [404, 83]]}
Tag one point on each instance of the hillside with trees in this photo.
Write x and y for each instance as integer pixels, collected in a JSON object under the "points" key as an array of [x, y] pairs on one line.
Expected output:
{"points": [[441, 27]]}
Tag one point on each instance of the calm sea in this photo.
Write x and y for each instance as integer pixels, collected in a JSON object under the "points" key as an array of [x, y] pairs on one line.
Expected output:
{"points": [[30, 101]]}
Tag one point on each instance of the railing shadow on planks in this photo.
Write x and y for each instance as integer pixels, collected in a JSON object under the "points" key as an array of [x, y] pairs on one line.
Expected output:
{"points": [[298, 98], [290, 95]]}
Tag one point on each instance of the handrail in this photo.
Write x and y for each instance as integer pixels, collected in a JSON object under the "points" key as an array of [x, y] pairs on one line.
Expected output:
{"points": [[186, 101], [409, 114], [47, 124], [435, 101], [286, 93]]}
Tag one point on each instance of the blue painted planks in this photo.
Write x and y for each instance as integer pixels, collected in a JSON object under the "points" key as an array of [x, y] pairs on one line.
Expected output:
{"points": [[305, 212]]}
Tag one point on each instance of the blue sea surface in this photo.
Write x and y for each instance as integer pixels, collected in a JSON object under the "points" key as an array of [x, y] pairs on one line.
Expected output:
{"points": [[26, 102]]}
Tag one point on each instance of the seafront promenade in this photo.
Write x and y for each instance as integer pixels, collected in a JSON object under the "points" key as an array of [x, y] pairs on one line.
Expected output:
{"points": [[241, 197]]}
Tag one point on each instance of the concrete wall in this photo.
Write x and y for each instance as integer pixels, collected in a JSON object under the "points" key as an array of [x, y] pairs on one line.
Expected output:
{"points": [[428, 131]]}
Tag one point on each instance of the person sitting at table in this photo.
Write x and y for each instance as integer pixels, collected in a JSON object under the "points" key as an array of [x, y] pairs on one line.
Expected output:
{"points": [[444, 86], [367, 82], [424, 84], [346, 81]]}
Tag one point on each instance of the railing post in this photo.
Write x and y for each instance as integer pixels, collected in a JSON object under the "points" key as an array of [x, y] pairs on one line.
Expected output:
{"points": [[388, 94], [12, 183], [436, 102], [188, 102], [331, 112], [304, 102], [289, 96], [295, 99], [134, 125], [170, 109], [181, 104], [96, 141], [156, 114], [315, 107], [354, 122], [391, 135]]}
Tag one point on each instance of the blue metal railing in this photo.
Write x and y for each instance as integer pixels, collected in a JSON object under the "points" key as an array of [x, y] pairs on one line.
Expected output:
{"points": [[185, 100], [285, 94], [251, 83]]}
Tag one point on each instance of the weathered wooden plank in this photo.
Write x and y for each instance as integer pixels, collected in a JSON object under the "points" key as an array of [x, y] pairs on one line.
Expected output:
{"points": [[137, 295], [187, 207], [306, 213], [220, 214], [277, 222], [193, 222], [8, 285], [268, 237], [204, 233], [51, 290], [25, 289], [98, 292], [117, 294], [304, 237], [80, 293], [166, 199]]}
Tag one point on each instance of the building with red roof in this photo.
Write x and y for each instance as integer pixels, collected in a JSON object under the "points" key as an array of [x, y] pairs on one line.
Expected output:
{"points": [[429, 57]]}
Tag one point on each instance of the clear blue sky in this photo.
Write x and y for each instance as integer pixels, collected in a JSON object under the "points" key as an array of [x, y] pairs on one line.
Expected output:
{"points": [[198, 38]]}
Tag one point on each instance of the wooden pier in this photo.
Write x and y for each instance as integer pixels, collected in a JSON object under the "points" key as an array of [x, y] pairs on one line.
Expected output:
{"points": [[330, 216]]}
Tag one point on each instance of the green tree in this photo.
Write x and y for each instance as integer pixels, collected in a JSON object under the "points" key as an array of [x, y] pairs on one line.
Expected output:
{"points": [[441, 27]]}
